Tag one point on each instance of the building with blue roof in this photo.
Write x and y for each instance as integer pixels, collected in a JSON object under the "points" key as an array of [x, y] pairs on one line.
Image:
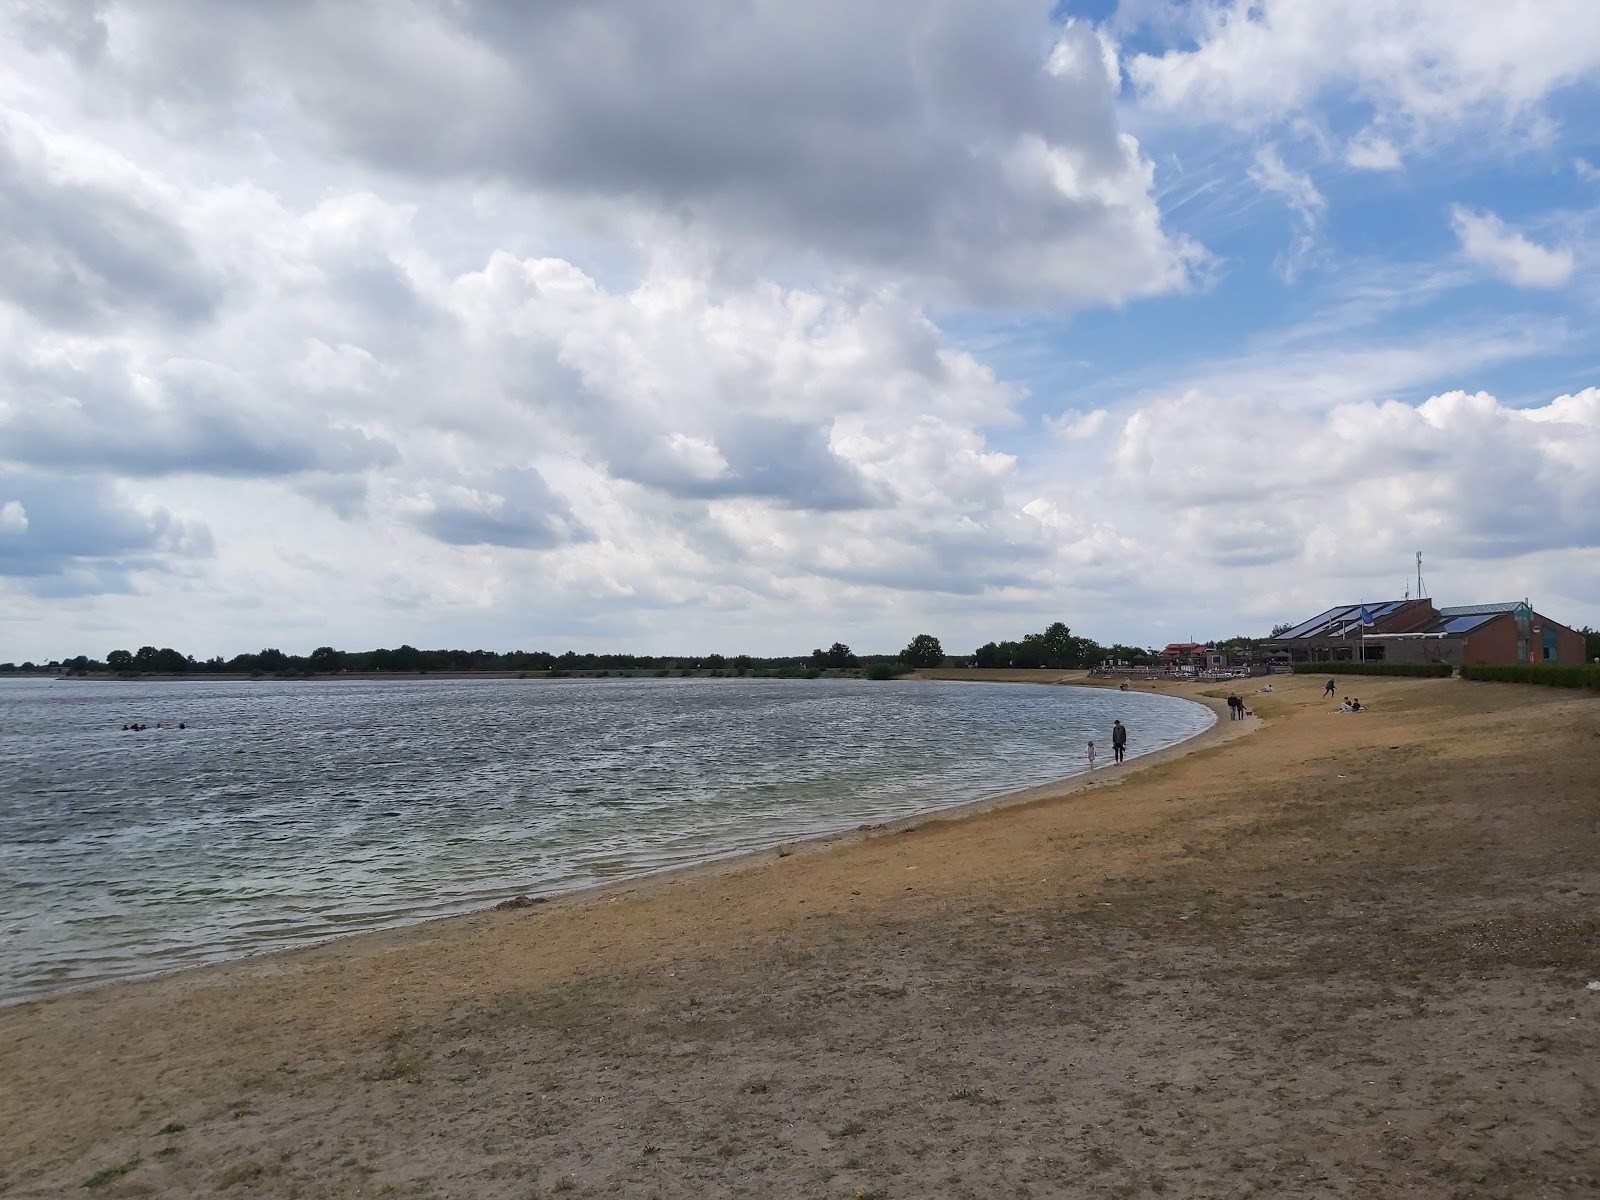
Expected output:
{"points": [[1415, 631]]}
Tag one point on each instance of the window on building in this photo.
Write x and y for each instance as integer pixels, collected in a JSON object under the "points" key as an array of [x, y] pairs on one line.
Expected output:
{"points": [[1552, 650]]}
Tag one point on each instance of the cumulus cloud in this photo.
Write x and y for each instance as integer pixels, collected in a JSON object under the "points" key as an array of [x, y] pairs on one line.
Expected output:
{"points": [[641, 326], [1469, 476], [83, 536], [512, 507], [166, 417], [1486, 239], [86, 242], [977, 150], [1437, 68]]}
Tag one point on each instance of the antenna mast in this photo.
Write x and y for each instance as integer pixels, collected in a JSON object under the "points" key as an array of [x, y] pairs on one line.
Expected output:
{"points": [[1421, 593]]}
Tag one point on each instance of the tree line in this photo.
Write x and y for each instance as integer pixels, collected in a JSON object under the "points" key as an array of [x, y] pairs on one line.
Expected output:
{"points": [[1056, 647], [326, 660]]}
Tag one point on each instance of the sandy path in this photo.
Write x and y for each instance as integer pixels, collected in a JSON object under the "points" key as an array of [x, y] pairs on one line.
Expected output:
{"points": [[1343, 956]]}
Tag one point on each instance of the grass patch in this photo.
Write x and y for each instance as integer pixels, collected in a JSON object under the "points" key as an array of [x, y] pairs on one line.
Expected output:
{"points": [[1415, 670], [172, 1127], [106, 1174]]}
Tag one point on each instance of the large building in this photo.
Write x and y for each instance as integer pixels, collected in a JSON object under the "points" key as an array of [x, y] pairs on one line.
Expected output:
{"points": [[1415, 631]]}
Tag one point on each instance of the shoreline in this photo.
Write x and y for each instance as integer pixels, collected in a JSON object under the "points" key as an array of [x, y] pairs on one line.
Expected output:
{"points": [[737, 860], [1345, 956]]}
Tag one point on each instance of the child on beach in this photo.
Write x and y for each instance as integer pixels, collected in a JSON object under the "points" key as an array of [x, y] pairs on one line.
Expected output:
{"points": [[1091, 756]]}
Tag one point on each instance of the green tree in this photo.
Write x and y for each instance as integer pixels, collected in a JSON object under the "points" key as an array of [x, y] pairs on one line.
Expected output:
{"points": [[119, 660], [1059, 647], [169, 662], [923, 651], [145, 660], [1591, 644], [326, 659], [839, 655]]}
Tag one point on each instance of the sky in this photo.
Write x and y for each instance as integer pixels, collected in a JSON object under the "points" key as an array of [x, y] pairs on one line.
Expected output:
{"points": [[748, 327]]}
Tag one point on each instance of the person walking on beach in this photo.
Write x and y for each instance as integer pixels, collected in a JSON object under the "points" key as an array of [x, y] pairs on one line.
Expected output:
{"points": [[1327, 688], [1119, 739], [1091, 756]]}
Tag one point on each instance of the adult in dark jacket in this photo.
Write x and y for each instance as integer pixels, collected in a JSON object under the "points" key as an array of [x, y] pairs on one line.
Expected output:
{"points": [[1119, 739]]}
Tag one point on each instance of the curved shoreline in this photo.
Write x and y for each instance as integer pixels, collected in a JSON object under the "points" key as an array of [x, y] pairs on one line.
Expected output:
{"points": [[650, 880], [1219, 732]]}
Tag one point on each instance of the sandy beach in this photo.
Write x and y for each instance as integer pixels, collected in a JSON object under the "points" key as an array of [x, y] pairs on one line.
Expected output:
{"points": [[1312, 954]]}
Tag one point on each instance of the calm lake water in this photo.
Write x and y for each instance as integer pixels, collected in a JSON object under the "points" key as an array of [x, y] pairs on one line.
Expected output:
{"points": [[291, 812]]}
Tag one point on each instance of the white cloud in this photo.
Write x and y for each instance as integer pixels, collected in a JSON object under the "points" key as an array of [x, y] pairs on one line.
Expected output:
{"points": [[1486, 239], [972, 149], [1586, 170], [13, 517], [1467, 475], [1371, 152], [1300, 194], [320, 328], [1079, 425], [1434, 68]]}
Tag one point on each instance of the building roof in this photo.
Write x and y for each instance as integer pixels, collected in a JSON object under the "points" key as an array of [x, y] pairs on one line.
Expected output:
{"points": [[1473, 610], [1444, 626], [1336, 621]]}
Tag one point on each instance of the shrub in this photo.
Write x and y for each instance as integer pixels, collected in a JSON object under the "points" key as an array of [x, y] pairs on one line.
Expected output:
{"points": [[1567, 677], [886, 670], [1422, 670]]}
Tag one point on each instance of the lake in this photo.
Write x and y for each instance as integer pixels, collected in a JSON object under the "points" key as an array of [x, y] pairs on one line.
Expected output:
{"points": [[291, 812]]}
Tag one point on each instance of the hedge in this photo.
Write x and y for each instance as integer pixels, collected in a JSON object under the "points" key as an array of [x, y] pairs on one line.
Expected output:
{"points": [[1426, 670], [1568, 677], [887, 670]]}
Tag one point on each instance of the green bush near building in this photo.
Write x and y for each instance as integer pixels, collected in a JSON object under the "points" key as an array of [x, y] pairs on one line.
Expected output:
{"points": [[1567, 677], [1416, 670]]}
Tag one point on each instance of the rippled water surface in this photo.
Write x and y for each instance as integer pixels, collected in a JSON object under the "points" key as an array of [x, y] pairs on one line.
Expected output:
{"points": [[292, 812]]}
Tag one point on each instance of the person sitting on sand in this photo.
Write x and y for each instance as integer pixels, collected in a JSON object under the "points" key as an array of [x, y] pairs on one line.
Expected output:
{"points": [[1267, 691], [1355, 705], [1344, 705]]}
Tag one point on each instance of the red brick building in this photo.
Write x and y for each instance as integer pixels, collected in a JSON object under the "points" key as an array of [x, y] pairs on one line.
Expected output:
{"points": [[1414, 631]]}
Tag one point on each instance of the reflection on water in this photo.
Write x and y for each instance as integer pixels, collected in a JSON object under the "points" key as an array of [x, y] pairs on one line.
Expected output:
{"points": [[291, 812]]}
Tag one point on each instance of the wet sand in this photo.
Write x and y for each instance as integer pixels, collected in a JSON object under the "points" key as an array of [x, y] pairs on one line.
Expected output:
{"points": [[1339, 956]]}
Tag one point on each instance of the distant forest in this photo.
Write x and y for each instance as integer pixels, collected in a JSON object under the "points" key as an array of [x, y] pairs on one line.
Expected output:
{"points": [[1056, 647], [325, 660]]}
